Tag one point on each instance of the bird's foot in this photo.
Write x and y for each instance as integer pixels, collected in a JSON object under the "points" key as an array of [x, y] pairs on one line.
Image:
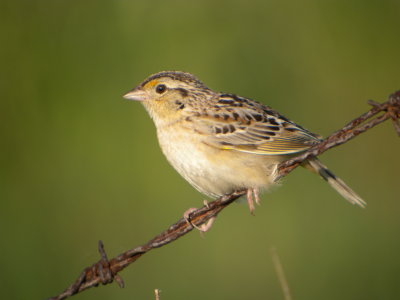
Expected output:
{"points": [[202, 228], [252, 195]]}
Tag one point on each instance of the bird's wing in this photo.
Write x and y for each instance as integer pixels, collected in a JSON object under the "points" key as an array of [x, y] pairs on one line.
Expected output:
{"points": [[245, 125]]}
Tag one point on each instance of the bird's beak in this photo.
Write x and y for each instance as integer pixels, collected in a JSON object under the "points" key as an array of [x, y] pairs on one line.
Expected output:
{"points": [[137, 95]]}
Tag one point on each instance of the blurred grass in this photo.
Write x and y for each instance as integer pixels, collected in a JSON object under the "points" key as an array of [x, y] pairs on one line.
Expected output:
{"points": [[80, 164]]}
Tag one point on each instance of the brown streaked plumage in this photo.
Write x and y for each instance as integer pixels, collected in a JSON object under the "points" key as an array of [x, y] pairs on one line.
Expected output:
{"points": [[223, 142]]}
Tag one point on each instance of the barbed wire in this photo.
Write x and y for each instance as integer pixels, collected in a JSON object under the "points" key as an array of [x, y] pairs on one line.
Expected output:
{"points": [[105, 271]]}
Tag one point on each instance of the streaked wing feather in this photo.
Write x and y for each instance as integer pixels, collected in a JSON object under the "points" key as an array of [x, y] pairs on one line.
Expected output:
{"points": [[248, 126]]}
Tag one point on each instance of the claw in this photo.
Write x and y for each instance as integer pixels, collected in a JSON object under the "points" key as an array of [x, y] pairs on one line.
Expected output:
{"points": [[205, 203], [202, 228]]}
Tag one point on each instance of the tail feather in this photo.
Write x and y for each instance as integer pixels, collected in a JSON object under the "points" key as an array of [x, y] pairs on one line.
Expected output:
{"points": [[338, 184]]}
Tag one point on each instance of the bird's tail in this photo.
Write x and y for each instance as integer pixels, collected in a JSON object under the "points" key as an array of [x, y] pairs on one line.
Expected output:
{"points": [[315, 166]]}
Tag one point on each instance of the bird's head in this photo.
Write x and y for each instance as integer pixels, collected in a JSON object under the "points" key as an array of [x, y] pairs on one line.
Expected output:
{"points": [[167, 95]]}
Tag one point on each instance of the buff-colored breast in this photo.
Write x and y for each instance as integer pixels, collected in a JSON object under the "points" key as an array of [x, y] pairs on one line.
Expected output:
{"points": [[214, 171]]}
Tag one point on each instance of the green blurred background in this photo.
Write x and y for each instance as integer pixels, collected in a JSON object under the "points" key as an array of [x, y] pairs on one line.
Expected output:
{"points": [[79, 163]]}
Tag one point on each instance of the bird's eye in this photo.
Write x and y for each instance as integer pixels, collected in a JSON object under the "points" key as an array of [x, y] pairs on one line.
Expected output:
{"points": [[161, 88]]}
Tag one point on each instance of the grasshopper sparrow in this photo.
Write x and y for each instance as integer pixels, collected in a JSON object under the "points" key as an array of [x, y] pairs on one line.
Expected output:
{"points": [[222, 142]]}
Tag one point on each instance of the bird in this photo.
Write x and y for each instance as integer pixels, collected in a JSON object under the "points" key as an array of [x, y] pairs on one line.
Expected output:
{"points": [[221, 142]]}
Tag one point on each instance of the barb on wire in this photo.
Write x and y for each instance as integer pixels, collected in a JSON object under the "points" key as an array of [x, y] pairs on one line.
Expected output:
{"points": [[105, 271]]}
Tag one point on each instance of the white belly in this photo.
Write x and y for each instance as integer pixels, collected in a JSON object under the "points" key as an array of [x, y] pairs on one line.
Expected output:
{"points": [[213, 171]]}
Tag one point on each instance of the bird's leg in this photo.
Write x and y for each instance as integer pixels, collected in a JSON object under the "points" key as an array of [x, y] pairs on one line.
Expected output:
{"points": [[257, 196], [205, 203], [250, 201], [202, 228]]}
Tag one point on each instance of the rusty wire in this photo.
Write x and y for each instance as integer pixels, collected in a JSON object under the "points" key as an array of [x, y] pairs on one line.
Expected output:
{"points": [[106, 271]]}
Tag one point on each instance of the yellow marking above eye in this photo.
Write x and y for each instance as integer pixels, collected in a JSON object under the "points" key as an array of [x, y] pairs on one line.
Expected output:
{"points": [[152, 83]]}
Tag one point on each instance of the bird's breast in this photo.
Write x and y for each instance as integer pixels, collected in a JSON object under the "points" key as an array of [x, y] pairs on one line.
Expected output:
{"points": [[185, 151], [211, 170]]}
